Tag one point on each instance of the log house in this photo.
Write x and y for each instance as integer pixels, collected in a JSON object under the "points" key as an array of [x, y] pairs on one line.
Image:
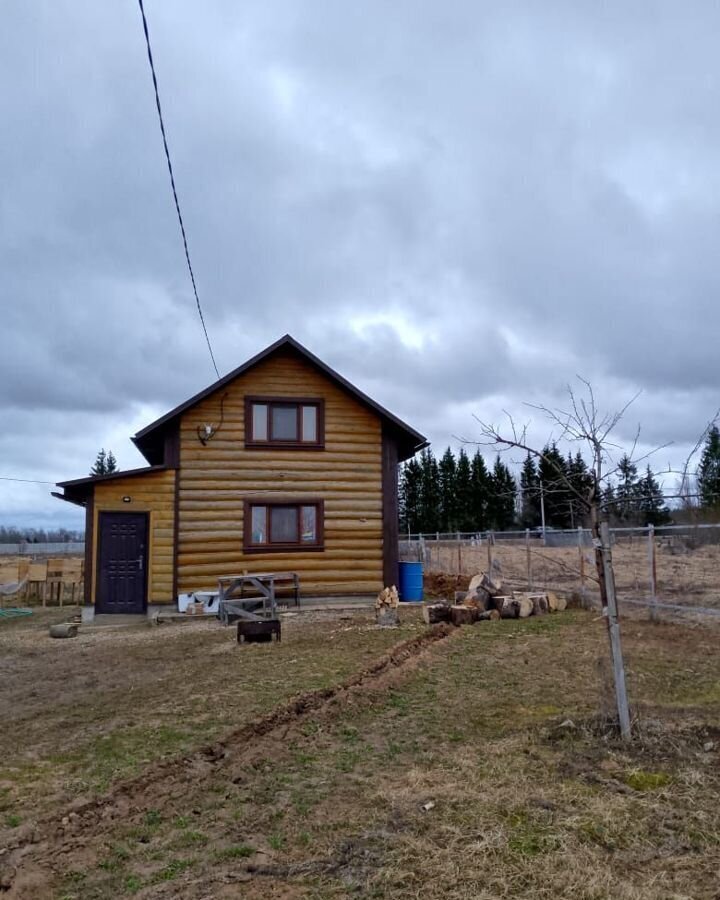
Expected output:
{"points": [[282, 465]]}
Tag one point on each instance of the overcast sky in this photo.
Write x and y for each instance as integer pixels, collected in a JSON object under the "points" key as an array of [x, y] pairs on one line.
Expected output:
{"points": [[457, 205]]}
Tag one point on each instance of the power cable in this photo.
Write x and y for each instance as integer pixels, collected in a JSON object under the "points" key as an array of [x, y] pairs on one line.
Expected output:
{"points": [[174, 190], [24, 480]]}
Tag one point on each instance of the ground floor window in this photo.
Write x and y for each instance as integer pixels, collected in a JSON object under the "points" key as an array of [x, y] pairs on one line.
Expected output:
{"points": [[284, 525]]}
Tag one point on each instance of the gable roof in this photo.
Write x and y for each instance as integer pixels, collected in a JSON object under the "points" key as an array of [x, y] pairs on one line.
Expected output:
{"points": [[409, 441]]}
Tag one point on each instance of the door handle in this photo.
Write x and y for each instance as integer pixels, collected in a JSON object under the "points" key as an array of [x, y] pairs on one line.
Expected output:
{"points": [[140, 563]]}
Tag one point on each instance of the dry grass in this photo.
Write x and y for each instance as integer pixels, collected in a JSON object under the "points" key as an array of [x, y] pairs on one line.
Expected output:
{"points": [[481, 771], [79, 714], [684, 575]]}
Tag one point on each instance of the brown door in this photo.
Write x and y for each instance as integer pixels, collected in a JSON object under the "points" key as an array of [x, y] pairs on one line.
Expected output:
{"points": [[122, 563]]}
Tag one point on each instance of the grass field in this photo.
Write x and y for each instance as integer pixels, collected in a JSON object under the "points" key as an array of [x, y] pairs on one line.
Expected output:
{"points": [[150, 763], [685, 575]]}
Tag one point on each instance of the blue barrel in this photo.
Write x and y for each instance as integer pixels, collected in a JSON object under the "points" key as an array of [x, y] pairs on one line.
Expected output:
{"points": [[411, 581]]}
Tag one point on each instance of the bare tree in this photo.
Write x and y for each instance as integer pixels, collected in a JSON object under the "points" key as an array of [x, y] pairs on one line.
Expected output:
{"points": [[582, 422]]}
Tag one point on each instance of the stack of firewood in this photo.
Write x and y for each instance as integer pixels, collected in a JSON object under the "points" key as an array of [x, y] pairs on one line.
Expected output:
{"points": [[488, 598], [386, 606]]}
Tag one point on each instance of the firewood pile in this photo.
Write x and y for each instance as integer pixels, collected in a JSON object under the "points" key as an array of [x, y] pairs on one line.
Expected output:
{"points": [[488, 598], [386, 607]]}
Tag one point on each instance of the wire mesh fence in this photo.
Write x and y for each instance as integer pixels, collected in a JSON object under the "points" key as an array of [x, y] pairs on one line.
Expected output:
{"points": [[671, 572]]}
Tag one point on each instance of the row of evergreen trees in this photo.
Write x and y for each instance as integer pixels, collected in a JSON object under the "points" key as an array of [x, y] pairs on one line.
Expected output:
{"points": [[456, 494], [462, 494]]}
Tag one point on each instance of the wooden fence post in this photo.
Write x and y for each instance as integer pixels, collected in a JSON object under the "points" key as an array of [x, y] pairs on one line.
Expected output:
{"points": [[459, 550], [490, 542], [652, 566]]}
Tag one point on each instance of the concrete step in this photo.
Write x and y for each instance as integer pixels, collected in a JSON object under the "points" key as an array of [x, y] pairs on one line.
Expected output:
{"points": [[119, 619]]}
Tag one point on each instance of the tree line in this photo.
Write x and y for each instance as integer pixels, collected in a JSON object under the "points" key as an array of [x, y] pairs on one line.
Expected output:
{"points": [[461, 493], [10, 534]]}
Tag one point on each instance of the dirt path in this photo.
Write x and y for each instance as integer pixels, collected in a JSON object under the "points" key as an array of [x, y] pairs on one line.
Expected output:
{"points": [[31, 860]]}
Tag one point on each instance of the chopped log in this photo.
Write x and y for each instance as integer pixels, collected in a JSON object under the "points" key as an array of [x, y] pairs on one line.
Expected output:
{"points": [[436, 612], [480, 600], [463, 615], [516, 607], [492, 584], [509, 607], [461, 595], [499, 601], [561, 604], [525, 607], [64, 630], [388, 598], [539, 601], [475, 582], [552, 599], [489, 615]]}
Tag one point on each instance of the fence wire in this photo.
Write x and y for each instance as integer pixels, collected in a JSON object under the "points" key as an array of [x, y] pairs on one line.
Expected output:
{"points": [[671, 571]]}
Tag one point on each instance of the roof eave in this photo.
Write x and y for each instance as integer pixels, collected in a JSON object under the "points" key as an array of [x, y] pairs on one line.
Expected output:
{"points": [[94, 479]]}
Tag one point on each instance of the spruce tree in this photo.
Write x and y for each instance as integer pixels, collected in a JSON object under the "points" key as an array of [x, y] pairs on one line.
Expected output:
{"points": [[105, 463], [100, 464], [627, 491], [581, 480], [502, 495], [708, 477], [429, 493], [479, 492], [448, 492], [411, 497], [553, 474], [529, 493], [463, 493], [609, 502], [651, 502]]}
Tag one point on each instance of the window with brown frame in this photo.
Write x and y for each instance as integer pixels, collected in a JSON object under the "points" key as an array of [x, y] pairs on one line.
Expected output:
{"points": [[282, 525], [278, 422]]}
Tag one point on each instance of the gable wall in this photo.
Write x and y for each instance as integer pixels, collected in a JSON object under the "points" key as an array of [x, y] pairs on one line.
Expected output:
{"points": [[215, 480]]}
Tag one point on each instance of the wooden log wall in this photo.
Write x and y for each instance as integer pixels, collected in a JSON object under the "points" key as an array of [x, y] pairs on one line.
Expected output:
{"points": [[152, 492], [215, 480]]}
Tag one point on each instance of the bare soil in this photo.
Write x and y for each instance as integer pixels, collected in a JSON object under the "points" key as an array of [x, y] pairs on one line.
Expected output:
{"points": [[352, 761]]}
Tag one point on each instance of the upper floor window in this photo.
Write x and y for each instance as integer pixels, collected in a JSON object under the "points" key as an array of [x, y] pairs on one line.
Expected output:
{"points": [[280, 422]]}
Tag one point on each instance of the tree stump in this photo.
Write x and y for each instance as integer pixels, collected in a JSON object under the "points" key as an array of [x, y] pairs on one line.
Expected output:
{"points": [[433, 613], [463, 615], [387, 617]]}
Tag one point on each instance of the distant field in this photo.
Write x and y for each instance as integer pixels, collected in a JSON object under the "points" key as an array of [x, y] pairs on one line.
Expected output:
{"points": [[684, 575]]}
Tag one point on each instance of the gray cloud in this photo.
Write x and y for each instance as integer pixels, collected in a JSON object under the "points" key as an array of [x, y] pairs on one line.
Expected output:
{"points": [[459, 207]]}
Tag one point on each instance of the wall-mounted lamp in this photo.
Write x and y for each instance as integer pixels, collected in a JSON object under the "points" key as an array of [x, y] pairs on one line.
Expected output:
{"points": [[126, 499]]}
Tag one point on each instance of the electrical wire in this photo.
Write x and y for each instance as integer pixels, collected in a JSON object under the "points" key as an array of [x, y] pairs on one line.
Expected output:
{"points": [[24, 480], [172, 183]]}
